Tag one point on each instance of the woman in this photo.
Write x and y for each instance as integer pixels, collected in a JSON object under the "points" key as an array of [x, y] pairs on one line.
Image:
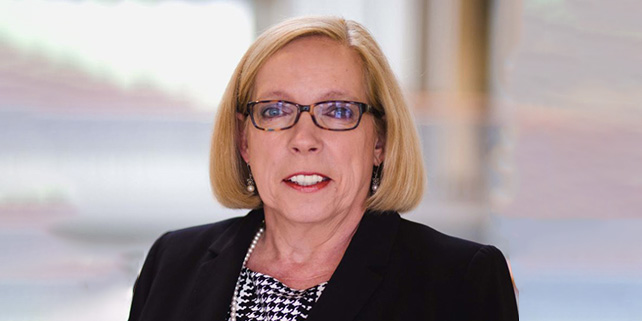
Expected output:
{"points": [[313, 133]]}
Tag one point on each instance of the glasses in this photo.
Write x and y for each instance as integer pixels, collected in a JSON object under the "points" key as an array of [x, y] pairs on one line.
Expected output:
{"points": [[335, 115]]}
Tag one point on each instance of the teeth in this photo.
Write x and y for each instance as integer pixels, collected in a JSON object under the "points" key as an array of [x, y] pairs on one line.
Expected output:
{"points": [[306, 180]]}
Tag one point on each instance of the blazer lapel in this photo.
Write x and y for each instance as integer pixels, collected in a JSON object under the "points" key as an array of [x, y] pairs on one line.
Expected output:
{"points": [[216, 277], [361, 269]]}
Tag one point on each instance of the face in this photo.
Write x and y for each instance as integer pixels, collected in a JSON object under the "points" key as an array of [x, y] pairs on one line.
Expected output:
{"points": [[305, 173]]}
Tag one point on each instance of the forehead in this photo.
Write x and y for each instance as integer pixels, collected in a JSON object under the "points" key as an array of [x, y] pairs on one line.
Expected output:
{"points": [[311, 68]]}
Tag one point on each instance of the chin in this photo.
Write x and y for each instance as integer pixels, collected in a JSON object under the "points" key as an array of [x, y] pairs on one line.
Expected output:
{"points": [[308, 212]]}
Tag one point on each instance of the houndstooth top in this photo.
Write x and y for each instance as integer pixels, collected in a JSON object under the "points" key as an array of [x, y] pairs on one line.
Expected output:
{"points": [[262, 297]]}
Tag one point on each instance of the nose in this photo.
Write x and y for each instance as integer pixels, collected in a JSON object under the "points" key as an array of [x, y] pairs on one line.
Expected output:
{"points": [[305, 136]]}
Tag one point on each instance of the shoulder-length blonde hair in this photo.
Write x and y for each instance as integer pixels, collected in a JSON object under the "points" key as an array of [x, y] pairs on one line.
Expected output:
{"points": [[402, 174]]}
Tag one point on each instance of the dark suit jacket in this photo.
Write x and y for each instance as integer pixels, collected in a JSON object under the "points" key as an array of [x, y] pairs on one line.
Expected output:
{"points": [[393, 269]]}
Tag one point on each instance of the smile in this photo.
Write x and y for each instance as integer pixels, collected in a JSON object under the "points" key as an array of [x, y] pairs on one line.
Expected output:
{"points": [[307, 180]]}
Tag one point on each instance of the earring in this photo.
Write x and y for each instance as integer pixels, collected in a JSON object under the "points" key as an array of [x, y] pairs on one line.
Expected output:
{"points": [[375, 180], [250, 181]]}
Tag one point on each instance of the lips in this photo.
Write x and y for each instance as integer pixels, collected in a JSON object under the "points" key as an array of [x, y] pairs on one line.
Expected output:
{"points": [[307, 181]]}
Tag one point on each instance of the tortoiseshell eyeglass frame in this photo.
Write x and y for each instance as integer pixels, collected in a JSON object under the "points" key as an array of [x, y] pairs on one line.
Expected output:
{"points": [[363, 108]]}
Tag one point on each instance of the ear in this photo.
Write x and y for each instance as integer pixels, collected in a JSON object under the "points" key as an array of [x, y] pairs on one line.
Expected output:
{"points": [[242, 137], [379, 153]]}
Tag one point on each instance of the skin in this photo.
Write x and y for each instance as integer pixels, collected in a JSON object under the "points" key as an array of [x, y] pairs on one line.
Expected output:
{"points": [[308, 229]]}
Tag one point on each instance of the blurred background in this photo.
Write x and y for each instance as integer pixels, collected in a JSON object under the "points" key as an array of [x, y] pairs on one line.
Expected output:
{"points": [[530, 114]]}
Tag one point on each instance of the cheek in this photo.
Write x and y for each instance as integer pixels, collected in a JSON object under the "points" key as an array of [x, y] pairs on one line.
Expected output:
{"points": [[358, 158], [267, 154], [261, 147]]}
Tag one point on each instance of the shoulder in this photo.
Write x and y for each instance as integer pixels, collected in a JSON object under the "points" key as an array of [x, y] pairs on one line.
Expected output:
{"points": [[477, 274], [183, 249], [423, 240], [422, 249], [421, 244], [431, 249], [196, 237]]}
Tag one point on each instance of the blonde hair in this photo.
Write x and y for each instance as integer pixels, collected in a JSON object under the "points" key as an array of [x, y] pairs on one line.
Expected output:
{"points": [[402, 174]]}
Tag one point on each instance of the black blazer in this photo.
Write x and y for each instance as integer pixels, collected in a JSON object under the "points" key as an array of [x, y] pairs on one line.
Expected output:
{"points": [[393, 269]]}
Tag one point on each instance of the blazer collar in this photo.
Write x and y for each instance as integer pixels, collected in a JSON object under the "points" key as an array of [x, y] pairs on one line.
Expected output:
{"points": [[361, 269], [359, 273], [217, 275]]}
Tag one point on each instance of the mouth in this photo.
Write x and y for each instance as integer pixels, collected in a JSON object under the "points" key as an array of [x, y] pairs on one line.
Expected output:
{"points": [[307, 181]]}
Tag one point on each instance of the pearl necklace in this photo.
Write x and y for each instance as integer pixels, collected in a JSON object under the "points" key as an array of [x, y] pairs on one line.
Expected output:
{"points": [[235, 296]]}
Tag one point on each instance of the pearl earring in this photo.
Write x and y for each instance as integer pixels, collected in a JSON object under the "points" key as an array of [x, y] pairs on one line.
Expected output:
{"points": [[250, 181], [375, 180]]}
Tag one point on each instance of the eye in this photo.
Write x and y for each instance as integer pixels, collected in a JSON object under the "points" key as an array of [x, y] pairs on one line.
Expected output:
{"points": [[274, 110], [271, 112], [339, 110]]}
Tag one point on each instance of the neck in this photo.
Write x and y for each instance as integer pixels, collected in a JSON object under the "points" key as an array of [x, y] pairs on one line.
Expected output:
{"points": [[303, 254]]}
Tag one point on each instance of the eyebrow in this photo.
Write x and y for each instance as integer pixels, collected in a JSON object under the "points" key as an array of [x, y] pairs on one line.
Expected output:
{"points": [[276, 94], [333, 94], [330, 95]]}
